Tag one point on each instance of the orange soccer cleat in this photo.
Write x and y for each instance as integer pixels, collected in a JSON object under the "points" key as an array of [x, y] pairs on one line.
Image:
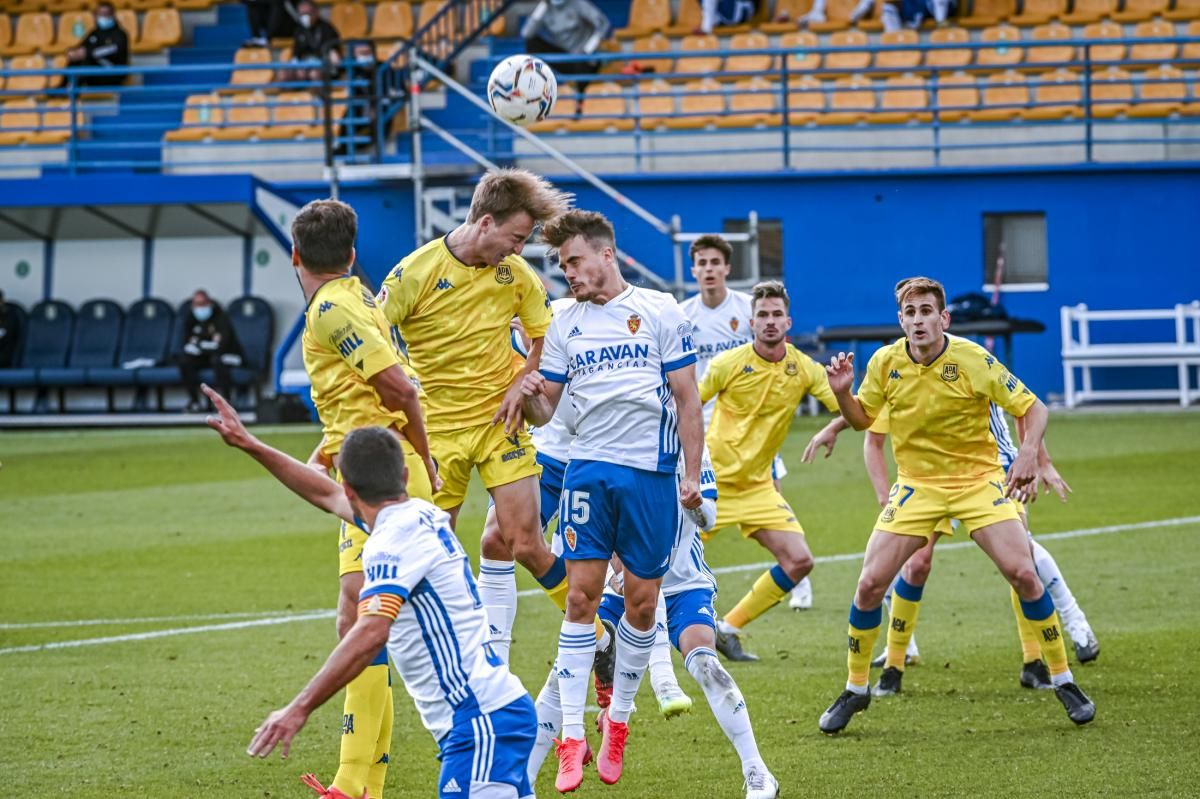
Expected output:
{"points": [[573, 755], [327, 793], [611, 761]]}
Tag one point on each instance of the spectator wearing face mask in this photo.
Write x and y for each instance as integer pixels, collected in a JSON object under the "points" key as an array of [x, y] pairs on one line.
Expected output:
{"points": [[106, 46], [313, 34], [567, 26], [208, 343]]}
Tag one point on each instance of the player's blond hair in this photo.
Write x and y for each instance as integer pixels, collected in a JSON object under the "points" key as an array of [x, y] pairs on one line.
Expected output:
{"points": [[711, 241], [592, 226], [769, 288], [920, 285], [501, 193]]}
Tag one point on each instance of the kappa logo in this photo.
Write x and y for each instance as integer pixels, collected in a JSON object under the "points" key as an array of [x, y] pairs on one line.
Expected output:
{"points": [[791, 370], [368, 298], [569, 537], [398, 273], [733, 324], [443, 285], [950, 372], [894, 375], [514, 439], [575, 331], [504, 275], [325, 306], [747, 369], [989, 360], [451, 787], [633, 323]]}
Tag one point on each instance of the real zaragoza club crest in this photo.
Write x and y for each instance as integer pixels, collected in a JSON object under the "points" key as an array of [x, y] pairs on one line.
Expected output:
{"points": [[634, 322]]}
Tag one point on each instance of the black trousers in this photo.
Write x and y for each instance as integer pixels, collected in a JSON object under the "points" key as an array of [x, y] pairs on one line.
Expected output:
{"points": [[190, 366]]}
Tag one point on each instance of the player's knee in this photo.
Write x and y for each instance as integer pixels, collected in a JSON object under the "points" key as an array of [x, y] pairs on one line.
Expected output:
{"points": [[1025, 580], [530, 550], [639, 611], [581, 603], [493, 546], [797, 564], [916, 571], [870, 591]]}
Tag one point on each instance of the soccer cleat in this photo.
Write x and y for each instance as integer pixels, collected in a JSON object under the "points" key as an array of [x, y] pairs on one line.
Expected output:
{"points": [[1080, 709], [842, 710], [326, 793], [604, 664], [1087, 648], [611, 760], [760, 784], [674, 702], [802, 595], [889, 682], [573, 754], [730, 645], [1034, 674]]}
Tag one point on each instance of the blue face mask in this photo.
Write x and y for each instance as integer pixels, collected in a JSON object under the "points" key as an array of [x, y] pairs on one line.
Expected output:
{"points": [[202, 313], [104, 23]]}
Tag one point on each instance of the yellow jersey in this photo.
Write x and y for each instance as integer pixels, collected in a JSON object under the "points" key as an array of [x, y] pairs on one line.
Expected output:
{"points": [[938, 415], [454, 320], [346, 342], [756, 400]]}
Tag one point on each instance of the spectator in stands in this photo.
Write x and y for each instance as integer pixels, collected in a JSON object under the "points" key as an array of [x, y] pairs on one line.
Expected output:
{"points": [[10, 334], [728, 12], [314, 36], [208, 343], [106, 46], [363, 103], [567, 26], [269, 19], [895, 15]]}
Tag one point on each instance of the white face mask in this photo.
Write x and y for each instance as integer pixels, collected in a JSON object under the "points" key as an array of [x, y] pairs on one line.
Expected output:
{"points": [[202, 313], [306, 20]]}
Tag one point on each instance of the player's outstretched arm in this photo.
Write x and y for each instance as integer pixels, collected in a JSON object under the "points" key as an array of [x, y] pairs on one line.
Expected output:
{"points": [[876, 463], [1047, 474], [303, 480], [826, 437], [397, 393], [691, 432], [353, 654], [539, 397], [512, 407], [1023, 473], [841, 379]]}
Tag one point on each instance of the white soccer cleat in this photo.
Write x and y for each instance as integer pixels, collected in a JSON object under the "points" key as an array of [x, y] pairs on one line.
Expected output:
{"points": [[761, 784], [802, 595], [1087, 648]]}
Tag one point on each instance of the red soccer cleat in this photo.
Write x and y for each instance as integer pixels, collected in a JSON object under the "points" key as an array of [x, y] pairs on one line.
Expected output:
{"points": [[573, 755], [612, 751], [327, 793], [603, 693]]}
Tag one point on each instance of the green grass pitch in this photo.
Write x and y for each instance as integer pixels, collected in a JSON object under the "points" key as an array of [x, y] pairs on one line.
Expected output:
{"points": [[112, 527]]}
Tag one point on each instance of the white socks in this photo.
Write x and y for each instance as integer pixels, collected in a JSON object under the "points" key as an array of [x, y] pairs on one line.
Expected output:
{"points": [[662, 671], [549, 718], [633, 655], [1047, 569], [726, 702], [576, 653], [498, 591]]}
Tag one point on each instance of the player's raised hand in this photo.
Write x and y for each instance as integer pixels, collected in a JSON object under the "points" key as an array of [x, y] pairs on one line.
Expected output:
{"points": [[824, 438], [1022, 475], [279, 728], [689, 493], [1054, 481], [841, 372], [435, 479], [227, 423], [511, 412], [533, 384]]}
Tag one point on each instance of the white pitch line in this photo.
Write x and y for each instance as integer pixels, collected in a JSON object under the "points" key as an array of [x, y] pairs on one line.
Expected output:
{"points": [[325, 614], [259, 614]]}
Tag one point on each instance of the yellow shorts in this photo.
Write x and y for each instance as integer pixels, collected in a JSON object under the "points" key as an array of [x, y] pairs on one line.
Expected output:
{"points": [[920, 508], [946, 528], [351, 539], [500, 458], [752, 509]]}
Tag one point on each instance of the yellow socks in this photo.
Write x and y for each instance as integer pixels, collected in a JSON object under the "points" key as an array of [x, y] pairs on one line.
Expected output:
{"points": [[554, 583], [368, 700], [1044, 621], [772, 586], [1029, 645], [906, 607], [864, 631], [378, 771]]}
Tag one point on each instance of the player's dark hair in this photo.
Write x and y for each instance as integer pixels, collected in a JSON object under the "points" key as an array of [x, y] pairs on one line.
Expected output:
{"points": [[920, 285], [504, 192], [372, 464], [769, 288], [592, 226], [711, 241], [323, 234]]}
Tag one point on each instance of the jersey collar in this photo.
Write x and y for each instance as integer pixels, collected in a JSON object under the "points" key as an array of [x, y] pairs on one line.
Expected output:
{"points": [[945, 346], [321, 288]]}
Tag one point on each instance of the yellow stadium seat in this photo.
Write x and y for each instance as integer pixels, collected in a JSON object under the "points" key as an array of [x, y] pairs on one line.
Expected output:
{"points": [[701, 104], [1039, 12], [873, 20], [127, 18], [1163, 92], [837, 16], [806, 100], [898, 60], [1139, 10], [986, 13], [748, 63], [687, 19], [393, 20], [655, 103], [654, 43], [350, 19], [438, 41], [646, 17], [246, 115], [1111, 92], [19, 120], [754, 102], [1005, 96], [1191, 52], [699, 65], [1040, 57], [163, 28], [245, 73], [852, 101], [1153, 54], [564, 110], [72, 27], [1007, 52], [957, 95], [202, 115], [295, 115], [27, 83], [788, 14], [1090, 11], [948, 58], [604, 108], [1105, 53], [855, 57], [6, 34], [35, 34], [1183, 10], [800, 58], [188, 5], [55, 123], [904, 98], [1056, 95]]}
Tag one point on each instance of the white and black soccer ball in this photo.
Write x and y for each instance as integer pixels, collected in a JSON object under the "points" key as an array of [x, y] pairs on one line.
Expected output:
{"points": [[522, 89]]}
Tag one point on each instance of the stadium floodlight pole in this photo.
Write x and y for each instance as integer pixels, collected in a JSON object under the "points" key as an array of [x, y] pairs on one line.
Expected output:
{"points": [[621, 199], [414, 124]]}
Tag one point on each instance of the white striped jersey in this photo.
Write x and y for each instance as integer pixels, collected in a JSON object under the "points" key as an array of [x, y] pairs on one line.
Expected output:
{"points": [[554, 438], [998, 423], [439, 638], [614, 359], [716, 330]]}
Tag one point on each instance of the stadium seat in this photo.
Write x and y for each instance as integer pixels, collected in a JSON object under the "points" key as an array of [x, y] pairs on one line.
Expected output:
{"points": [[1163, 92], [55, 127], [72, 27], [754, 102], [956, 95], [898, 60], [1111, 92], [253, 322], [145, 338], [903, 98], [788, 14], [294, 115], [393, 20], [188, 5], [856, 56], [244, 72], [986, 13], [948, 59], [873, 21], [1039, 57], [27, 83], [1183, 10], [654, 43], [350, 19], [6, 34], [163, 28], [1190, 55], [127, 18], [687, 19], [748, 63], [202, 115], [700, 105], [1039, 12], [1056, 95], [698, 65], [46, 344], [604, 108], [1008, 51], [806, 100], [1083, 11], [34, 34], [645, 17], [801, 58], [837, 16], [1104, 53], [852, 100], [245, 117], [93, 344], [438, 40], [1153, 54], [655, 103], [1005, 96], [1139, 10], [19, 121]]}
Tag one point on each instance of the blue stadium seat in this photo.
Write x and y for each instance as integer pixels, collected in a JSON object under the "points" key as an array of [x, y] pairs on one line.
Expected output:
{"points": [[94, 344], [146, 337], [253, 321], [46, 344], [168, 373], [23, 326]]}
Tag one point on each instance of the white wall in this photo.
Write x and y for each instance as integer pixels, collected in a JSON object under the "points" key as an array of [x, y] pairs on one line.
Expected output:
{"points": [[183, 265], [275, 281], [25, 290], [109, 269]]}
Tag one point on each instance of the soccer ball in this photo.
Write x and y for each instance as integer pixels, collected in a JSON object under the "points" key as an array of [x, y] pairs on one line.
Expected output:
{"points": [[522, 89]]}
